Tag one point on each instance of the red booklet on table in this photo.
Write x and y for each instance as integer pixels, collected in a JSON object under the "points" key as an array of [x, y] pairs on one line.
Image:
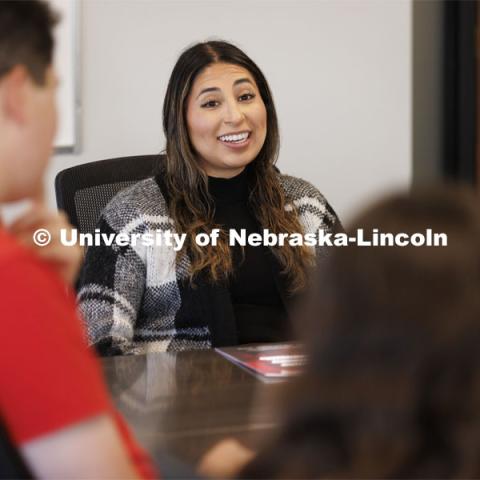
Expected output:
{"points": [[271, 361]]}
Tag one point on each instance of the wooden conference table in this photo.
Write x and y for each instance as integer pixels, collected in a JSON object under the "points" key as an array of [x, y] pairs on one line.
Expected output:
{"points": [[183, 403]]}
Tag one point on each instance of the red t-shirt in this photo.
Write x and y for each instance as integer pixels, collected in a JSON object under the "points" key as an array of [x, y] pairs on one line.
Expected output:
{"points": [[49, 379]]}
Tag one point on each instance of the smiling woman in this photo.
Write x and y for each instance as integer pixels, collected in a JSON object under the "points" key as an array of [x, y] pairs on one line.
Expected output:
{"points": [[227, 122], [222, 143]]}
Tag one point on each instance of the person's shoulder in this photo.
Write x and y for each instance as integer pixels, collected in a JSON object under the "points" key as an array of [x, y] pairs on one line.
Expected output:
{"points": [[308, 200], [9, 247], [23, 273], [14, 256], [141, 200], [297, 189], [143, 196]]}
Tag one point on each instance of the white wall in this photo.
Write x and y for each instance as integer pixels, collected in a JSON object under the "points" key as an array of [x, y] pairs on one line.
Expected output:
{"points": [[340, 72]]}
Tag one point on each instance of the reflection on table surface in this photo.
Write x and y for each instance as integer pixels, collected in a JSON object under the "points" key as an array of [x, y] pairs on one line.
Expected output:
{"points": [[185, 402]]}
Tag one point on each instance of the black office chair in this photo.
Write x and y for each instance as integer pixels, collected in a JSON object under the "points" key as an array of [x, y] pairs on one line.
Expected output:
{"points": [[84, 191]]}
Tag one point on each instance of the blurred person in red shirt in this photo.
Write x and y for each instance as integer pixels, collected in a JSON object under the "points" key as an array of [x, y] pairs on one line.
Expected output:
{"points": [[54, 406]]}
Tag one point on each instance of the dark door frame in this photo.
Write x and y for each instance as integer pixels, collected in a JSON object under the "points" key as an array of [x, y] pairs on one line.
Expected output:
{"points": [[460, 124]]}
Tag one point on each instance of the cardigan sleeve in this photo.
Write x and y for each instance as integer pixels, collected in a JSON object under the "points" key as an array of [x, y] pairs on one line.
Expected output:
{"points": [[112, 283]]}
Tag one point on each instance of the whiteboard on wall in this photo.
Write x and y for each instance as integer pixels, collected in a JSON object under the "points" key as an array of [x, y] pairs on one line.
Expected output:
{"points": [[67, 64]]}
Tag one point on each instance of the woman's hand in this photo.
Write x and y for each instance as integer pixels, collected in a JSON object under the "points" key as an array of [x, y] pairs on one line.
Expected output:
{"points": [[225, 459], [65, 259]]}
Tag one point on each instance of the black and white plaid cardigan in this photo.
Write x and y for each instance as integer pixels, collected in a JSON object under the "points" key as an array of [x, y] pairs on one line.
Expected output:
{"points": [[135, 299]]}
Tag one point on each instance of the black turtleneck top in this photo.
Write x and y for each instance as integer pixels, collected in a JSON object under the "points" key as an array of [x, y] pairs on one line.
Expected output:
{"points": [[259, 310]]}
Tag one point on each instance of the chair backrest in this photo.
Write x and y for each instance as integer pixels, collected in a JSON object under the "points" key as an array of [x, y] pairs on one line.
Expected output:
{"points": [[84, 191]]}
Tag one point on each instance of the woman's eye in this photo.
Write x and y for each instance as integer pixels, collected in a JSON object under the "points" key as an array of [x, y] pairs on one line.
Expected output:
{"points": [[210, 104], [246, 96]]}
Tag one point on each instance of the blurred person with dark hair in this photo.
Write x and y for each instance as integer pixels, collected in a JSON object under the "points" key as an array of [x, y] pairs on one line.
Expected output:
{"points": [[393, 384], [56, 417]]}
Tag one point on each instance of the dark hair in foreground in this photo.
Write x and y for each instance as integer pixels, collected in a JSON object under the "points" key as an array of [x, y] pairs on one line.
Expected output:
{"points": [[191, 206], [393, 385], [26, 37]]}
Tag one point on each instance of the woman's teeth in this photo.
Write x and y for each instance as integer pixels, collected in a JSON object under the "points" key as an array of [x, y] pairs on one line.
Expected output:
{"points": [[239, 137]]}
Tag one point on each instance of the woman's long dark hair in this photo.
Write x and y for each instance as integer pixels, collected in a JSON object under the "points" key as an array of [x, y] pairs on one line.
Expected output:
{"points": [[393, 385], [191, 206]]}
